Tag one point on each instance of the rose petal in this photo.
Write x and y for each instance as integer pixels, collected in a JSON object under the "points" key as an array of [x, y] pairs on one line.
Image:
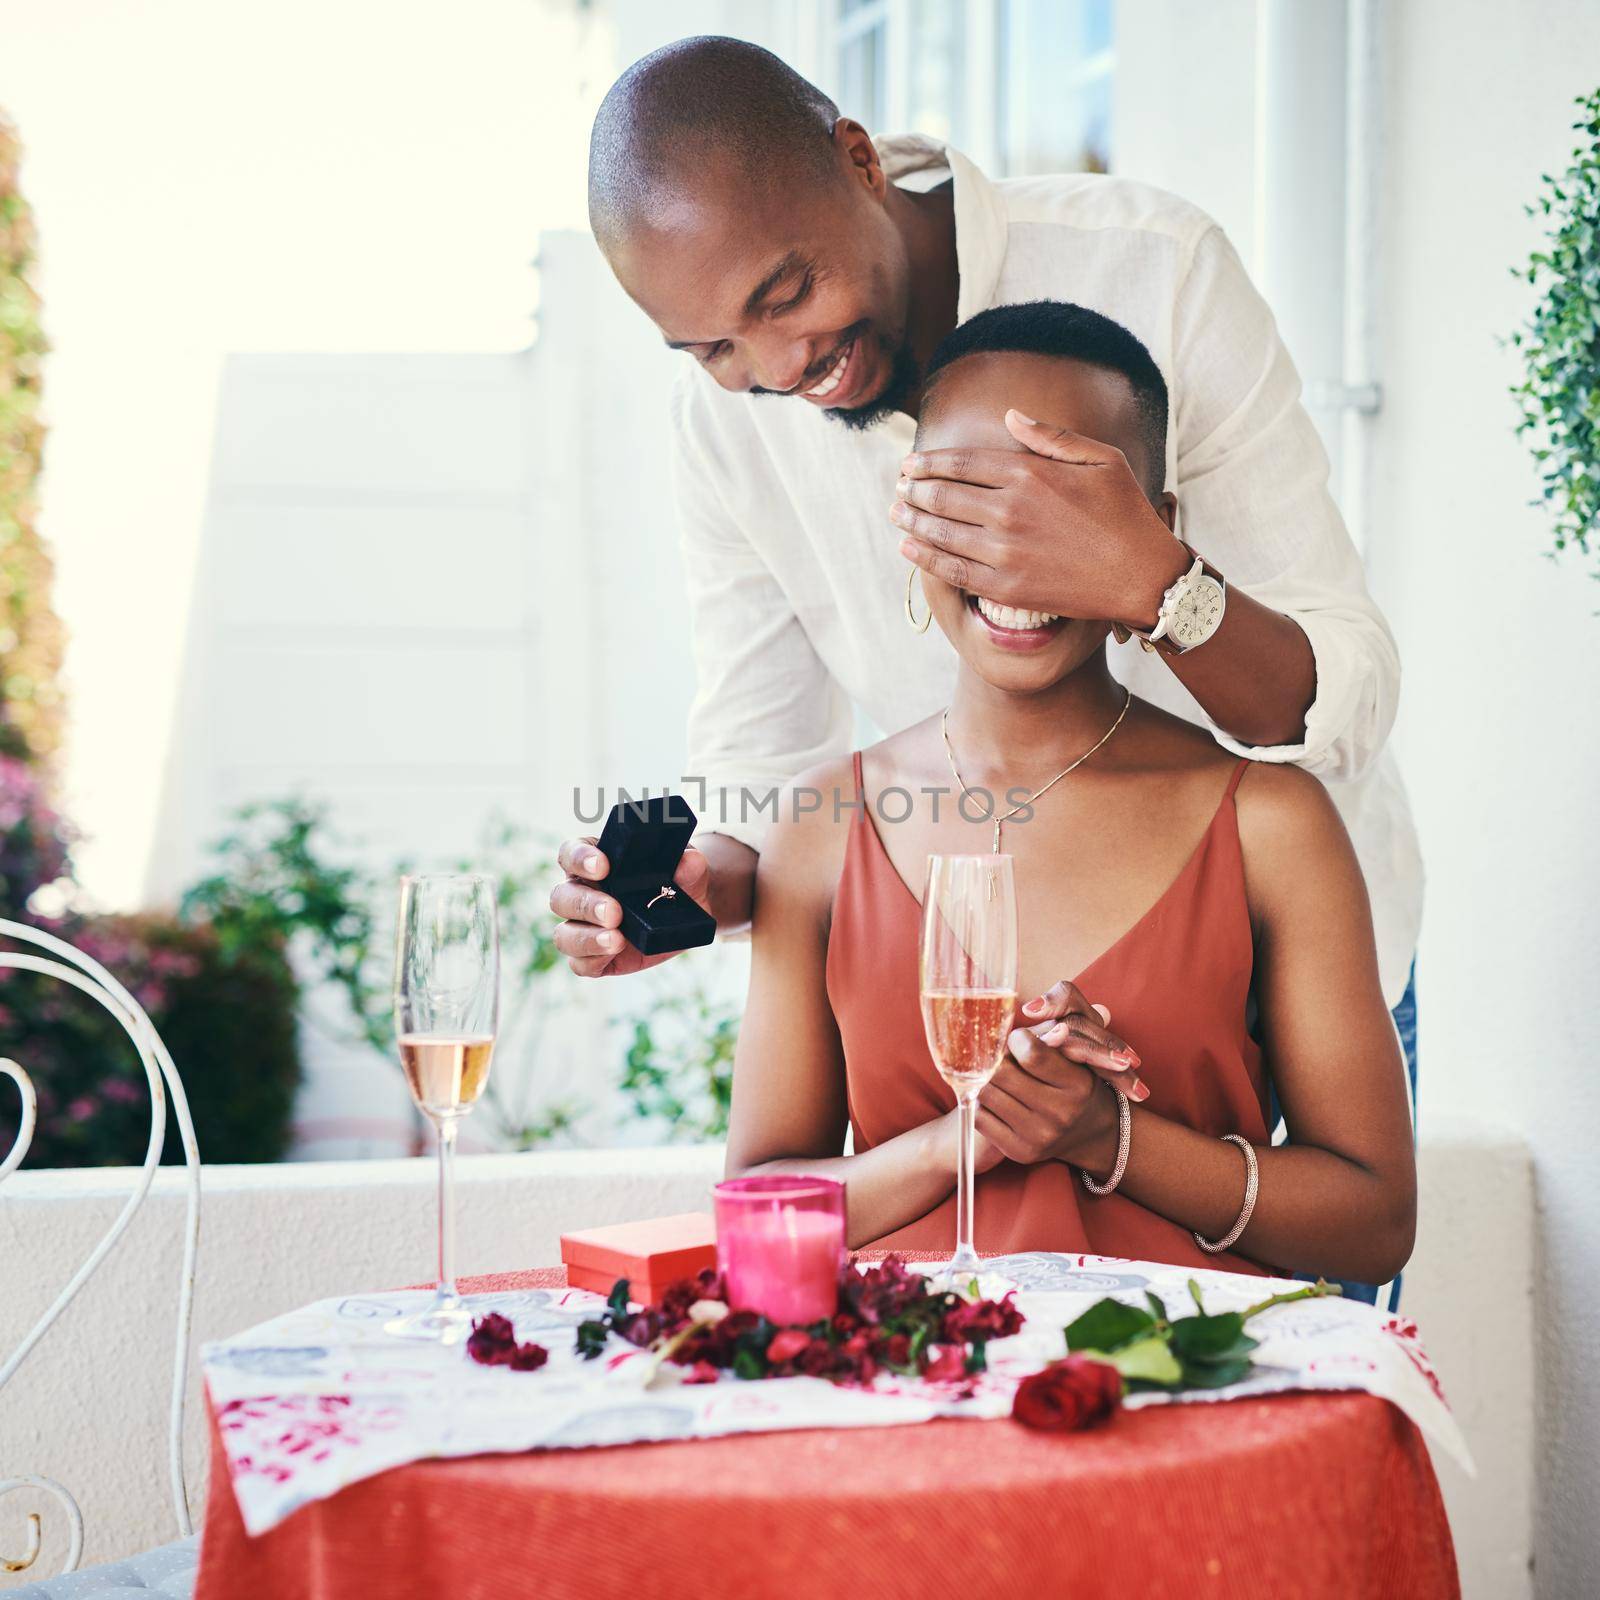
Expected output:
{"points": [[786, 1345]]}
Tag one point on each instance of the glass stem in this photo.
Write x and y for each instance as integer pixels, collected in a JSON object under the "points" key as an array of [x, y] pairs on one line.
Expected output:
{"points": [[966, 1161], [447, 1209]]}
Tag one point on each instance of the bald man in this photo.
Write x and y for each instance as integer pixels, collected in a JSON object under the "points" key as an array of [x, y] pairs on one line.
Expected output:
{"points": [[808, 271]]}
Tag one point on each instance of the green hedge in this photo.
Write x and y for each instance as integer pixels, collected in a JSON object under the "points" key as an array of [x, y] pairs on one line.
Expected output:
{"points": [[228, 1020]]}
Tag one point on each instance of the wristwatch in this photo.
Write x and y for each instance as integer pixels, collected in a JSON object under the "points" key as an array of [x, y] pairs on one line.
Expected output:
{"points": [[1191, 610]]}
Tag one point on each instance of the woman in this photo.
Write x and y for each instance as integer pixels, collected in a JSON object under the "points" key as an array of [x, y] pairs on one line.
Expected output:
{"points": [[1193, 930]]}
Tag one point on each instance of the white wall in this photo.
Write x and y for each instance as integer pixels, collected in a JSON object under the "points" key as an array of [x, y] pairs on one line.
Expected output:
{"points": [[1185, 105], [1501, 648], [1502, 660], [309, 174], [427, 596], [275, 1237]]}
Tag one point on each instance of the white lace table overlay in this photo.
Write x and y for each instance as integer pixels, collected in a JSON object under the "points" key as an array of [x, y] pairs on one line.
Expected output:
{"points": [[322, 1397]]}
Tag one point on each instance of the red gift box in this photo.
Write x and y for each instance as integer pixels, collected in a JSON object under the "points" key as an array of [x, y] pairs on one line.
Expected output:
{"points": [[651, 1255]]}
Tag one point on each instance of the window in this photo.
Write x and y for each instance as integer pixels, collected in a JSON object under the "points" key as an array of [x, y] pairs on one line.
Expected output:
{"points": [[1019, 85], [862, 27], [1053, 84]]}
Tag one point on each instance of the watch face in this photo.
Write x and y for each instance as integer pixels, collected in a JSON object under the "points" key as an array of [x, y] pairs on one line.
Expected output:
{"points": [[1198, 614]]}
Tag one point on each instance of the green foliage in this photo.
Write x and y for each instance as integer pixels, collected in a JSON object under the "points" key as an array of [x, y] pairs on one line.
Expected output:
{"points": [[220, 988], [273, 885], [230, 1028], [35, 840], [30, 635], [226, 1016], [1559, 397], [224, 1006], [1108, 1325], [282, 875], [1154, 1351], [678, 1070], [523, 866]]}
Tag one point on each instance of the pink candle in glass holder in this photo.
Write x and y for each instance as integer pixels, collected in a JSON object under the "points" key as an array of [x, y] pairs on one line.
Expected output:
{"points": [[780, 1244]]}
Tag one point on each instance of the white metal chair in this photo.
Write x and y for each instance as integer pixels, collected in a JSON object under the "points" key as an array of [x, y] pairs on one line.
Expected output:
{"points": [[166, 1565]]}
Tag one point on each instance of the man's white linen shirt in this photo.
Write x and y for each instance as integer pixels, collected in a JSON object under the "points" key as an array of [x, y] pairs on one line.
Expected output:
{"points": [[795, 580]]}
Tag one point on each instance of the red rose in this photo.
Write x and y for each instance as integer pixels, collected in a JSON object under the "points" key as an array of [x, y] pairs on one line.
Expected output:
{"points": [[786, 1345], [493, 1343], [738, 1323], [948, 1364], [679, 1296], [492, 1340], [641, 1328], [528, 1357], [875, 1294], [860, 1352], [897, 1350], [974, 1321], [1069, 1394], [819, 1359], [701, 1372]]}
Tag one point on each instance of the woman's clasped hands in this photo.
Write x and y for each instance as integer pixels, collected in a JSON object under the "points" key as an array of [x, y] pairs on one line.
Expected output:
{"points": [[1043, 1102]]}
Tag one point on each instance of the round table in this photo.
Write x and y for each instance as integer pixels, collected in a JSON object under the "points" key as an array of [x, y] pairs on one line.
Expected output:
{"points": [[1296, 1495]]}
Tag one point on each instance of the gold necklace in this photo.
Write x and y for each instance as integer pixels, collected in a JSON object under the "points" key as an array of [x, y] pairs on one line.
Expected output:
{"points": [[955, 771]]}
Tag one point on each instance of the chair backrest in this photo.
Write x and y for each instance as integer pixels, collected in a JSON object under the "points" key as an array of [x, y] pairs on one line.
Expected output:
{"points": [[73, 967]]}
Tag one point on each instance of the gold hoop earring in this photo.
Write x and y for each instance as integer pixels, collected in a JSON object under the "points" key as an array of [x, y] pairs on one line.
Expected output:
{"points": [[911, 618]]}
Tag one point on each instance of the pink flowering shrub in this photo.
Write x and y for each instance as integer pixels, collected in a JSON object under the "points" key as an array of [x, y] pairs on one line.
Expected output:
{"points": [[225, 1008], [35, 841]]}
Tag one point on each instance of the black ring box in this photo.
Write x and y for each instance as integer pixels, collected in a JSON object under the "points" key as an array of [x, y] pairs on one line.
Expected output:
{"points": [[643, 841]]}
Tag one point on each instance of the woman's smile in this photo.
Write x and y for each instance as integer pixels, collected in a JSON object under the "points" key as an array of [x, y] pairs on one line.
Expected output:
{"points": [[1012, 628]]}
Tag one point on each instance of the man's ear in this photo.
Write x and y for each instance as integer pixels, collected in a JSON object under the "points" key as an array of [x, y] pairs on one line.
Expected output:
{"points": [[1167, 509], [855, 144]]}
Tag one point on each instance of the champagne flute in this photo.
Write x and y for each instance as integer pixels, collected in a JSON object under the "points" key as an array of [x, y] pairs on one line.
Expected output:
{"points": [[969, 997], [446, 1002]]}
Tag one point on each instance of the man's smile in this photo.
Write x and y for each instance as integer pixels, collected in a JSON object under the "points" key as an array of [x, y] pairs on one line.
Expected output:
{"points": [[842, 378]]}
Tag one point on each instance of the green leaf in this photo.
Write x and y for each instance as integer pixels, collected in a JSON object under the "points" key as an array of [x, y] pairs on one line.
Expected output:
{"points": [[591, 1339], [617, 1304], [1214, 1374], [1209, 1338], [1157, 1306], [747, 1364], [1144, 1361], [1107, 1325], [978, 1356]]}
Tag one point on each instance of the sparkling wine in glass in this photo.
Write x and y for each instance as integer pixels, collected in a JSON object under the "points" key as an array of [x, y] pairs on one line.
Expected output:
{"points": [[969, 998], [446, 1002]]}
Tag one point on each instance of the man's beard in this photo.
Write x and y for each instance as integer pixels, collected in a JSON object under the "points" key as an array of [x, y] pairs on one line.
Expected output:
{"points": [[904, 375]]}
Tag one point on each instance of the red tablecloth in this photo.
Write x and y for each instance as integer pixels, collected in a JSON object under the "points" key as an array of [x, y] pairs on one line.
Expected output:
{"points": [[1294, 1496]]}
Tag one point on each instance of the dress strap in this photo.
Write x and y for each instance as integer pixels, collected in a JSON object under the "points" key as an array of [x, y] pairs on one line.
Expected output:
{"points": [[855, 767], [1227, 794]]}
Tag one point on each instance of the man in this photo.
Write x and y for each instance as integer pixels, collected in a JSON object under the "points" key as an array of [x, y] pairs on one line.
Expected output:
{"points": [[794, 257]]}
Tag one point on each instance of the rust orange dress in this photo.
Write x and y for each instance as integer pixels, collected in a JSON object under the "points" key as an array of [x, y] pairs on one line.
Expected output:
{"points": [[1178, 984]]}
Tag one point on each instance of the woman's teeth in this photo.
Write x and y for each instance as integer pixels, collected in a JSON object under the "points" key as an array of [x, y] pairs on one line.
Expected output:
{"points": [[831, 382], [1010, 617]]}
